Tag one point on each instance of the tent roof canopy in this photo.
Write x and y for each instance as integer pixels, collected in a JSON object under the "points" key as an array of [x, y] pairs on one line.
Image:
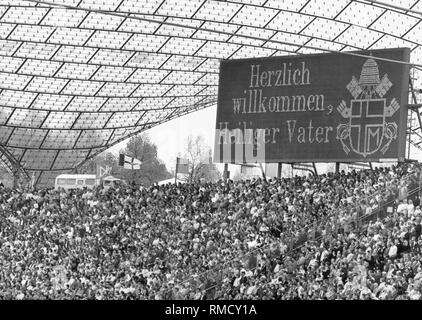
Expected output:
{"points": [[77, 77]]}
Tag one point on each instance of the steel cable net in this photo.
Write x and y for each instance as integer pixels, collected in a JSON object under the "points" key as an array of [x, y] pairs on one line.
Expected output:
{"points": [[77, 77]]}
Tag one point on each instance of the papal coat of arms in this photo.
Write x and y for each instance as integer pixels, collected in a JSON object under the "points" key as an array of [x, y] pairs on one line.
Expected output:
{"points": [[367, 130]]}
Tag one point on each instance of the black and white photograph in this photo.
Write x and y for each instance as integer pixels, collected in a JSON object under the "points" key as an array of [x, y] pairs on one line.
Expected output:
{"points": [[205, 156]]}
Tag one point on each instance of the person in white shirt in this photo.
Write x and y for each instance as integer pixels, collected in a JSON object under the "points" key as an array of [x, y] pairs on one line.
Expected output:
{"points": [[392, 252], [410, 207], [417, 211], [401, 208]]}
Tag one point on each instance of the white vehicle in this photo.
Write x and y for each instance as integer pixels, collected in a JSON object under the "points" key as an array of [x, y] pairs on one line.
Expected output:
{"points": [[75, 181], [110, 181]]}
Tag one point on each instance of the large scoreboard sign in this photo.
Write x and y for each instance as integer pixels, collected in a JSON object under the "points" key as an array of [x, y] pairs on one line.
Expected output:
{"points": [[327, 107]]}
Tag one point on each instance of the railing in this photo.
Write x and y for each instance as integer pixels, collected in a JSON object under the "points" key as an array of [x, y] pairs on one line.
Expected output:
{"points": [[328, 226]]}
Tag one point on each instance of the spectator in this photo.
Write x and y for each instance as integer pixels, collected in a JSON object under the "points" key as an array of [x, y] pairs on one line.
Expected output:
{"points": [[280, 239]]}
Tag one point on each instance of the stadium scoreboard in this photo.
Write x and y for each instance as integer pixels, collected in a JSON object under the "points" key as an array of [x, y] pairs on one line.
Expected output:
{"points": [[326, 107]]}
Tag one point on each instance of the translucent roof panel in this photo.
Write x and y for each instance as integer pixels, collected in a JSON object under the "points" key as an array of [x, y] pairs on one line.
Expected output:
{"points": [[93, 138], [38, 159], [5, 133], [60, 139], [60, 120], [27, 118], [217, 11], [68, 159], [26, 138], [77, 77]]}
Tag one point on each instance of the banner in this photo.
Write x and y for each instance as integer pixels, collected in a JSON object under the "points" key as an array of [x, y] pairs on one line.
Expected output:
{"points": [[129, 162], [182, 165]]}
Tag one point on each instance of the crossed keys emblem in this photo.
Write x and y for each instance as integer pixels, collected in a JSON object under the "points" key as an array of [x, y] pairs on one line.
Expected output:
{"points": [[367, 130]]}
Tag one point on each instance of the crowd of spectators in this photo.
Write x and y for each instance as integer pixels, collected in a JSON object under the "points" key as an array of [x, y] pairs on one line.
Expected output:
{"points": [[349, 235]]}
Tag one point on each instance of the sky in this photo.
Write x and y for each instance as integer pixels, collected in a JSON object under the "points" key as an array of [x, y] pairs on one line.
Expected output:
{"points": [[170, 137]]}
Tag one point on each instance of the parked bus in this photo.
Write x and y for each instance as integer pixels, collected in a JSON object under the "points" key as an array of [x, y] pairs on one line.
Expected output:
{"points": [[80, 181], [111, 181], [75, 181]]}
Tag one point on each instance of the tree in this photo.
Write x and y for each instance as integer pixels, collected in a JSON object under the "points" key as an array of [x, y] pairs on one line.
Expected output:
{"points": [[200, 161], [152, 169], [5, 176], [139, 147]]}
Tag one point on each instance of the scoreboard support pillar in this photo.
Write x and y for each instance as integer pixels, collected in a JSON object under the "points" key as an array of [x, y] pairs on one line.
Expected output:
{"points": [[263, 172], [315, 170], [337, 167], [304, 167], [226, 172], [280, 164]]}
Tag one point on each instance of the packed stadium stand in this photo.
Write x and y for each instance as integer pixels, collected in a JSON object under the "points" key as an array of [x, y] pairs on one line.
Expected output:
{"points": [[334, 236]]}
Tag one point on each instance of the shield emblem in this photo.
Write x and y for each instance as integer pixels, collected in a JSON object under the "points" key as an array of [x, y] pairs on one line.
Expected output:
{"points": [[366, 123]]}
